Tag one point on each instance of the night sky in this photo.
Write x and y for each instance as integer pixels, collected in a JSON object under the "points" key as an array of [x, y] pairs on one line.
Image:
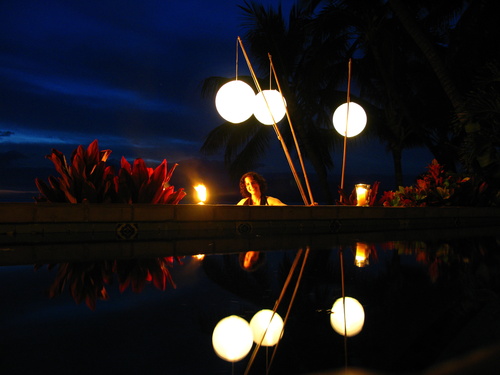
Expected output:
{"points": [[127, 73]]}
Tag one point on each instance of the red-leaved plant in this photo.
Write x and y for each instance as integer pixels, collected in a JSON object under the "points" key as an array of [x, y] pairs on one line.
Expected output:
{"points": [[88, 179]]}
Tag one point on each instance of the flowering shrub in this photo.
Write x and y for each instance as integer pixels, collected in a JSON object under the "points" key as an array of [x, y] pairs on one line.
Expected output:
{"points": [[439, 188], [88, 179], [436, 187]]}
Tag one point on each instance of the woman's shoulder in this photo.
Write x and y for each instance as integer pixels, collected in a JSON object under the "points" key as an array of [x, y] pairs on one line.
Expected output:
{"points": [[274, 201]]}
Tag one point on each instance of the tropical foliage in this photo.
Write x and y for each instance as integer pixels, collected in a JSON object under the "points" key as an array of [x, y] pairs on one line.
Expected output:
{"points": [[87, 178]]}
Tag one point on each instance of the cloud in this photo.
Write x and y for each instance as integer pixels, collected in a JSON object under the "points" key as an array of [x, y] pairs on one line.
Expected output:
{"points": [[6, 133]]}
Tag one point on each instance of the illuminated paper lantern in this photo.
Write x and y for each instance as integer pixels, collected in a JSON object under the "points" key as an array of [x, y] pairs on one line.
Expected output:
{"points": [[232, 338], [354, 317], [265, 320], [356, 121], [234, 101], [269, 105]]}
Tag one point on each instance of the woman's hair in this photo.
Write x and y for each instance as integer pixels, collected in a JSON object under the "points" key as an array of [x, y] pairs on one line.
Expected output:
{"points": [[257, 177]]}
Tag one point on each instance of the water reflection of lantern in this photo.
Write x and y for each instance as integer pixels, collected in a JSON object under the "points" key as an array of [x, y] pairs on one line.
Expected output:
{"points": [[201, 190], [266, 327], [362, 254], [232, 338], [362, 194], [350, 323]]}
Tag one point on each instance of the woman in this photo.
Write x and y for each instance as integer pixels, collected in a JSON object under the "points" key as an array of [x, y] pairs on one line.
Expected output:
{"points": [[253, 188]]}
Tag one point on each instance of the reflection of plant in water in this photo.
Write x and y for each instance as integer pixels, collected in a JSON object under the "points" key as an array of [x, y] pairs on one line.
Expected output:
{"points": [[86, 281], [434, 256]]}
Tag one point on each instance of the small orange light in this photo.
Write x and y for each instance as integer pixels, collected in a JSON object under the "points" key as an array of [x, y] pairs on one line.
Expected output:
{"points": [[362, 194], [361, 258], [202, 193]]}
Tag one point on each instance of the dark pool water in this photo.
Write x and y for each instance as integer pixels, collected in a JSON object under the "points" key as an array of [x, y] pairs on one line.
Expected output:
{"points": [[425, 301]]}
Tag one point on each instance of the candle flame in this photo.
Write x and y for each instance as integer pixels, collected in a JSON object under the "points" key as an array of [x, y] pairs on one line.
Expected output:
{"points": [[202, 193], [362, 194], [199, 256]]}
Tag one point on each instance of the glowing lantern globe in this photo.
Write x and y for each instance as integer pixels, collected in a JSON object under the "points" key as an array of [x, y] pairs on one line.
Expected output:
{"points": [[356, 121], [354, 317], [263, 320], [234, 101], [269, 105], [232, 338]]}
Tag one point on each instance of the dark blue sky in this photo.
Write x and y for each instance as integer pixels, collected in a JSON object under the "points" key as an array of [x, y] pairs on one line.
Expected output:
{"points": [[127, 73]]}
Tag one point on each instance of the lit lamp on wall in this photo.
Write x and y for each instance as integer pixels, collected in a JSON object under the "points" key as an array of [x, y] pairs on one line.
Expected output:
{"points": [[201, 190], [232, 338], [351, 323], [361, 259], [362, 194], [266, 327]]}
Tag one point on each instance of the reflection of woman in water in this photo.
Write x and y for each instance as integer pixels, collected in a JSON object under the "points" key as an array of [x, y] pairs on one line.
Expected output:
{"points": [[251, 260], [253, 188]]}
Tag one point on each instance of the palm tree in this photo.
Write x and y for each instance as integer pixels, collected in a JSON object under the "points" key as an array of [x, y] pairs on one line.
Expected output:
{"points": [[475, 13], [381, 74]]}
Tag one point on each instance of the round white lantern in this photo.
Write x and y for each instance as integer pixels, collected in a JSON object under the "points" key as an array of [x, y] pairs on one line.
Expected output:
{"points": [[265, 320], [356, 121], [234, 101], [232, 338], [354, 317], [269, 105]]}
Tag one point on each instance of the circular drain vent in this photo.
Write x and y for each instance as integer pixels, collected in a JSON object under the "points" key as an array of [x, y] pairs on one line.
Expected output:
{"points": [[335, 226], [244, 228]]}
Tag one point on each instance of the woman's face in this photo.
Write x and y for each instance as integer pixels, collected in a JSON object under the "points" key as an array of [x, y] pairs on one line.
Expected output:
{"points": [[252, 186]]}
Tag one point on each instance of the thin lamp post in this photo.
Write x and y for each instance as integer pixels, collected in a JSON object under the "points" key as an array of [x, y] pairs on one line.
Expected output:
{"points": [[299, 154], [346, 125]]}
